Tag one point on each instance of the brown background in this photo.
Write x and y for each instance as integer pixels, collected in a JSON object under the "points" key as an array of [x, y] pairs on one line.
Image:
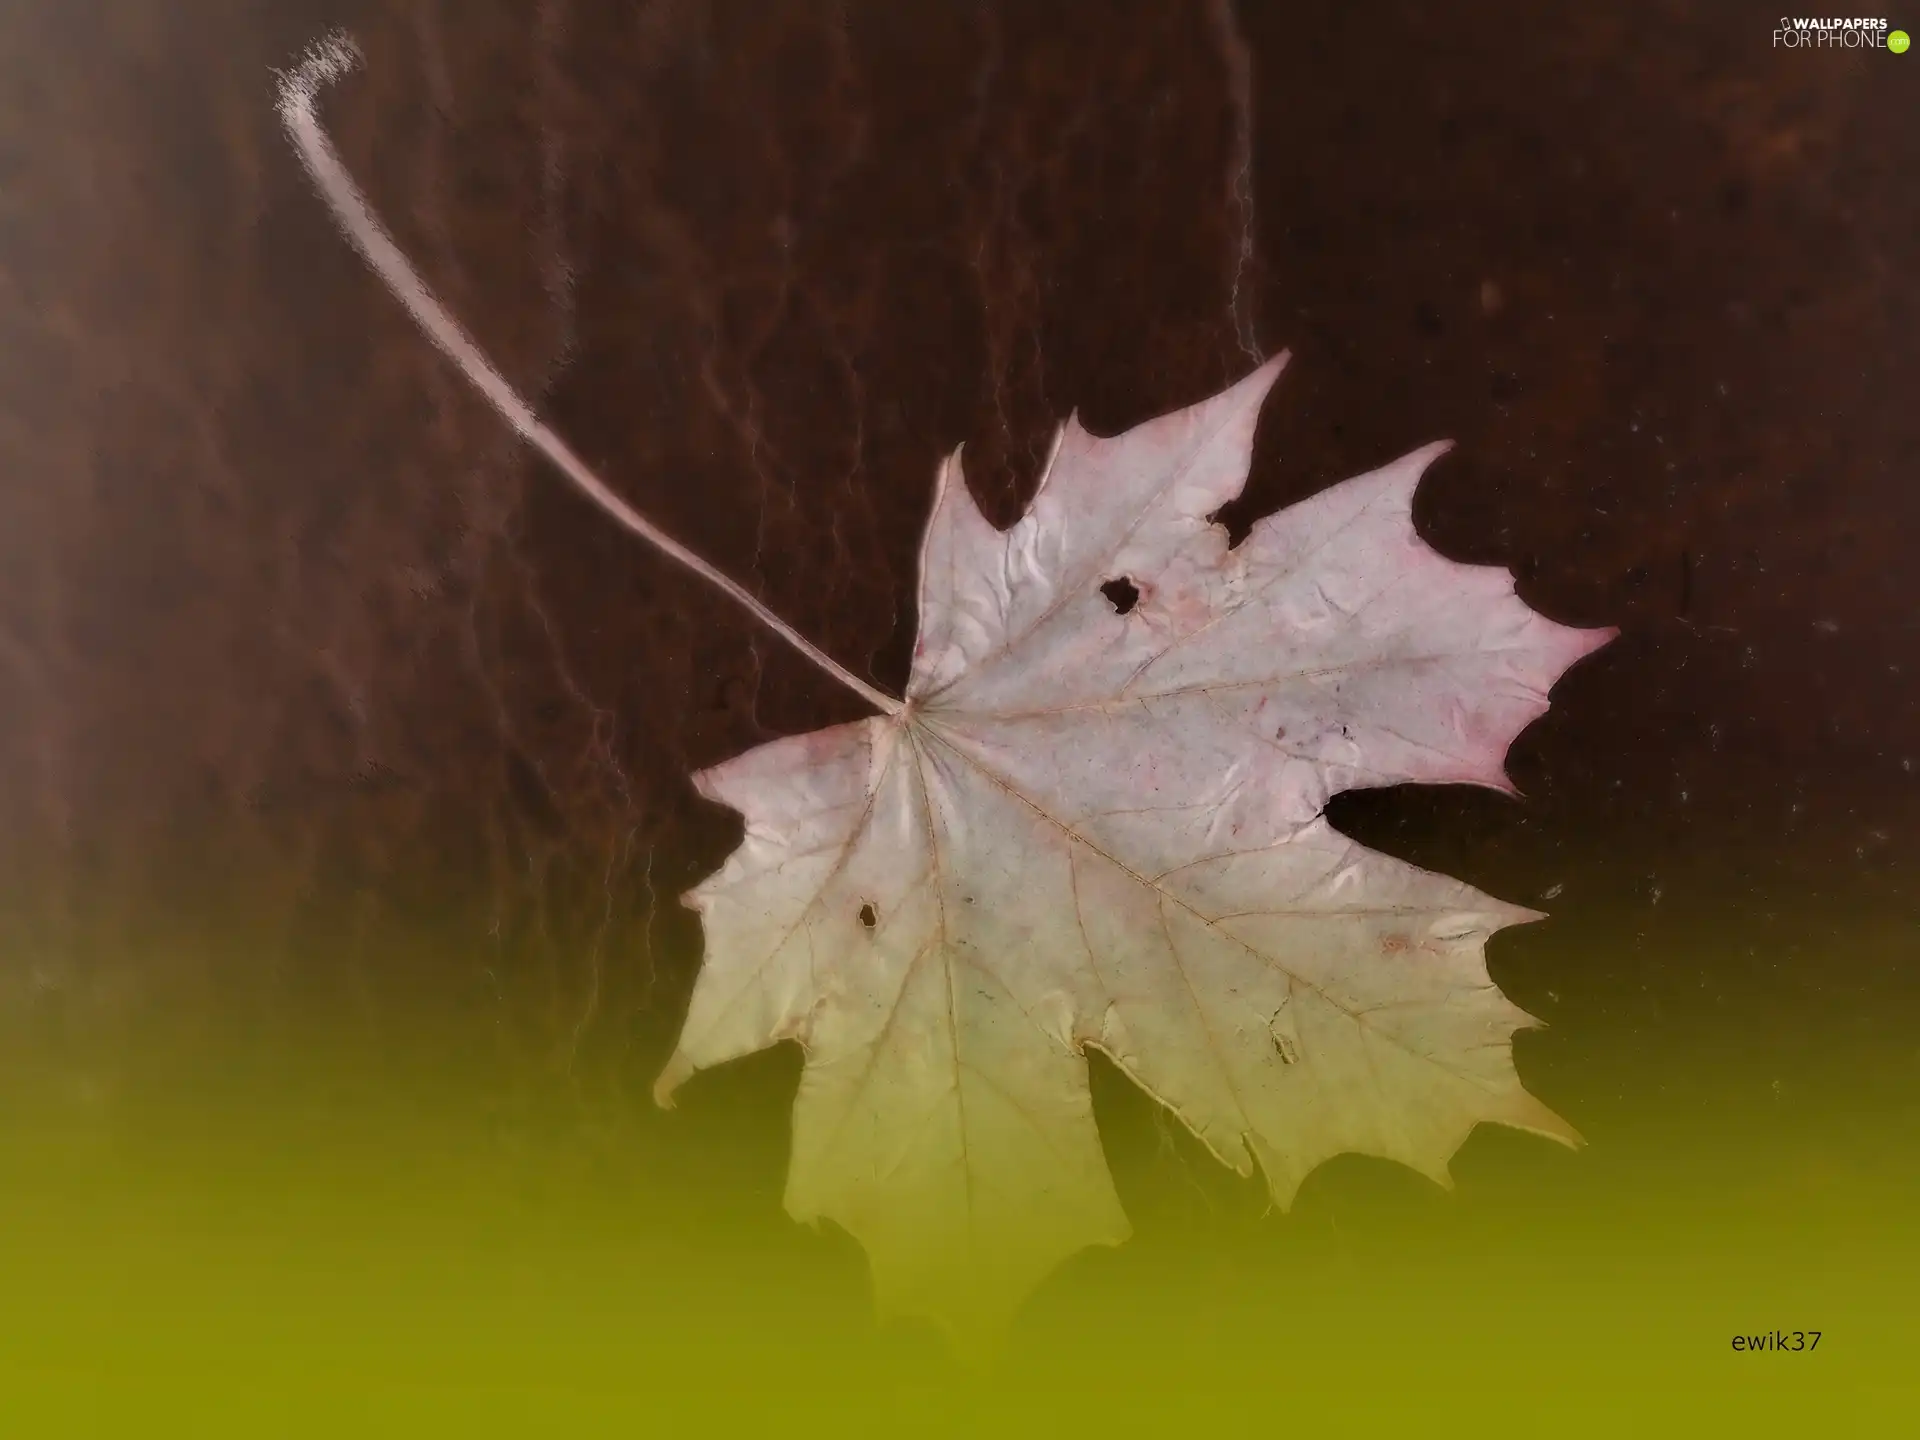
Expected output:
{"points": [[323, 709]]}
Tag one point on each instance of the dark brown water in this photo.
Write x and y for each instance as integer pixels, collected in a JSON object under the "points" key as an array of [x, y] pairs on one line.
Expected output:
{"points": [[343, 750]]}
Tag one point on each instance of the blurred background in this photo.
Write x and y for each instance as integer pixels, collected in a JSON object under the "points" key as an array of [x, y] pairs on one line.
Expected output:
{"points": [[344, 749]]}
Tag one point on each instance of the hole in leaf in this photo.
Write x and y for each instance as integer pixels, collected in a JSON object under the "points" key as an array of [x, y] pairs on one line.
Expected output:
{"points": [[1122, 594], [869, 917]]}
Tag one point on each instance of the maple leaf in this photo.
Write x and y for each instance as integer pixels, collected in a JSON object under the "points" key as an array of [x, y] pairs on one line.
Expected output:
{"points": [[1098, 820]]}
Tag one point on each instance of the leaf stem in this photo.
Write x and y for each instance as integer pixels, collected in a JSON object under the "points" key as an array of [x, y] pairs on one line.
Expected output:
{"points": [[326, 62]]}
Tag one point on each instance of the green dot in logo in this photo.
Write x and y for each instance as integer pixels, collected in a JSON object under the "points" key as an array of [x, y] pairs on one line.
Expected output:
{"points": [[1897, 41]]}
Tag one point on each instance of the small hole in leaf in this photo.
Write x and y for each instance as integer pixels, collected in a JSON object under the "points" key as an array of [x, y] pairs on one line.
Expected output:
{"points": [[868, 916], [1122, 594]]}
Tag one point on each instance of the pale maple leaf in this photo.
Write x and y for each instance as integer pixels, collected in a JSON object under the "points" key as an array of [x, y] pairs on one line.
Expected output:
{"points": [[1089, 828], [1097, 820]]}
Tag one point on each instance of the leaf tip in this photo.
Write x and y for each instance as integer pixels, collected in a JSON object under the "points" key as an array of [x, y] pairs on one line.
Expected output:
{"points": [[952, 471], [1256, 384], [679, 1068], [1536, 1119], [1498, 780], [1597, 638], [1517, 915]]}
